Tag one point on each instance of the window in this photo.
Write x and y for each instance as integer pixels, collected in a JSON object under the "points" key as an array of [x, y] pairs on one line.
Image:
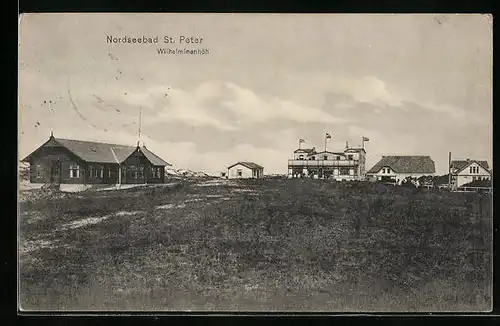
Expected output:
{"points": [[109, 172], [159, 173], [338, 158], [74, 171], [239, 172], [325, 157], [39, 171], [101, 172], [349, 157], [312, 158], [344, 170], [89, 168], [141, 172], [474, 169], [301, 157], [96, 172]]}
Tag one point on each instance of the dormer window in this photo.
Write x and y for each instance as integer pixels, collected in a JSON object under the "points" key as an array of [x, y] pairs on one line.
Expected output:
{"points": [[325, 157]]}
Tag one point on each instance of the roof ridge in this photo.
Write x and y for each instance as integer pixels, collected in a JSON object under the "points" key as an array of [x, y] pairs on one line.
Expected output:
{"points": [[92, 141], [405, 163], [114, 155]]}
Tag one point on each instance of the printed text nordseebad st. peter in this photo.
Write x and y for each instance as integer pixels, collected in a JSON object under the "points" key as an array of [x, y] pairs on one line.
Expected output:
{"points": [[155, 39]]}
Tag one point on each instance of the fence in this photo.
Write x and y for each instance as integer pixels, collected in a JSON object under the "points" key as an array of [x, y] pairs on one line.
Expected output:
{"points": [[460, 189], [473, 189]]}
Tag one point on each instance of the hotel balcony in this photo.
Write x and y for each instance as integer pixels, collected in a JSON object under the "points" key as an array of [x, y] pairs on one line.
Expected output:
{"points": [[319, 163]]}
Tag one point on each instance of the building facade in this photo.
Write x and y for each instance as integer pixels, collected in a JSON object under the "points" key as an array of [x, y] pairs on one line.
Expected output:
{"points": [[397, 168], [67, 161], [466, 171], [346, 165], [245, 170]]}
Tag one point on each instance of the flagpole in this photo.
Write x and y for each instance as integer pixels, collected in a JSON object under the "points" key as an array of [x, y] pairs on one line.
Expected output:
{"points": [[325, 142], [140, 121]]}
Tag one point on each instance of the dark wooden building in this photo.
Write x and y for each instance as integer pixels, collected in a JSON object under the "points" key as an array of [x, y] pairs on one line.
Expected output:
{"points": [[70, 161]]}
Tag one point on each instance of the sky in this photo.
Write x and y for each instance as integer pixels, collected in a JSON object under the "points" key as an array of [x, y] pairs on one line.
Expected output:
{"points": [[412, 84]]}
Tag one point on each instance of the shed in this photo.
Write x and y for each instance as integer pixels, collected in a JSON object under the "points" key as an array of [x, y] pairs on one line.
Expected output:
{"points": [[245, 170]]}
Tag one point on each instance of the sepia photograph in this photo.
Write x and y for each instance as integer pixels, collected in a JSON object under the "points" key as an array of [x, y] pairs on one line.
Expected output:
{"points": [[255, 162]]}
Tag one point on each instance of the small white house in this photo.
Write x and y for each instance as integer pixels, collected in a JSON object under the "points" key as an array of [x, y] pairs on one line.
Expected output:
{"points": [[397, 168], [245, 170], [465, 171]]}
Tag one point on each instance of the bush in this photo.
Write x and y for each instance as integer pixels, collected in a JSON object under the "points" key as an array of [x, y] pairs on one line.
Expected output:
{"points": [[478, 183]]}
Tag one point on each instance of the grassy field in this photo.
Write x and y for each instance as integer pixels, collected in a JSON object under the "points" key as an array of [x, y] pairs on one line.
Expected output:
{"points": [[256, 245]]}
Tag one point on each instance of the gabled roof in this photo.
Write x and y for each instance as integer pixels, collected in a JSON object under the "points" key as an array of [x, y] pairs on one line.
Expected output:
{"points": [[462, 164], [96, 152], [405, 164], [250, 165], [306, 150], [355, 149], [153, 158]]}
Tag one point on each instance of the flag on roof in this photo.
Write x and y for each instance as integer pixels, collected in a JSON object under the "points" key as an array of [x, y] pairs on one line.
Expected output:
{"points": [[301, 140], [366, 139], [328, 136]]}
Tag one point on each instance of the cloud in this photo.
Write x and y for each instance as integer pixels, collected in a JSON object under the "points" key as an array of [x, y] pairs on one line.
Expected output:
{"points": [[449, 109], [253, 108], [367, 89], [222, 105], [345, 89], [340, 92]]}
